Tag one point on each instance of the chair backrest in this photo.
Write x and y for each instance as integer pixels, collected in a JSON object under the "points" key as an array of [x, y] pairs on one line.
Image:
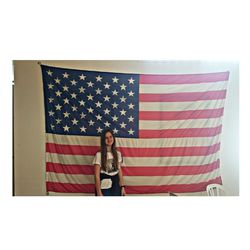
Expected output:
{"points": [[215, 190]]}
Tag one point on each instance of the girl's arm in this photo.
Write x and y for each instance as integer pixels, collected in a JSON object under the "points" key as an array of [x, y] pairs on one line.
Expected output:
{"points": [[121, 182], [97, 180]]}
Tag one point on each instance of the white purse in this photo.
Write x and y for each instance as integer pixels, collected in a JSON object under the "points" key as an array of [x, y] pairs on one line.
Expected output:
{"points": [[106, 183]]}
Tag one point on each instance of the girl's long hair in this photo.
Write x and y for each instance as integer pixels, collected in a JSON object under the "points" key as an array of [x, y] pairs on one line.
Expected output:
{"points": [[104, 151]]}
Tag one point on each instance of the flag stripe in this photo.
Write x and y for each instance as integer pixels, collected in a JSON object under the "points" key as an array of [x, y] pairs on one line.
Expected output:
{"points": [[69, 187], [131, 152], [181, 115], [183, 79], [179, 88], [136, 171], [133, 143], [177, 133], [183, 97], [135, 161]]}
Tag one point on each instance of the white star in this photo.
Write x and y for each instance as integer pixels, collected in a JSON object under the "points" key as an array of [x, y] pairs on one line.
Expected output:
{"points": [[131, 132], [73, 95], [123, 87], [50, 73], [131, 80], [98, 104], [58, 107], [106, 111], [131, 119], [90, 110], [73, 82], [50, 86], [66, 128], [65, 88], [90, 84], [98, 91], [81, 90], [107, 85], [65, 75], [82, 77], [106, 98], [91, 123], [123, 99], [82, 116], [52, 126], [51, 100], [131, 93], [82, 103], [131, 106], [115, 131], [51, 113], [58, 93], [115, 80], [107, 124], [74, 121], [115, 105], [98, 78], [99, 130], [66, 114], [66, 101], [123, 112], [57, 80], [83, 129], [58, 121], [90, 97], [74, 108], [98, 117], [115, 118], [123, 125], [114, 92]]}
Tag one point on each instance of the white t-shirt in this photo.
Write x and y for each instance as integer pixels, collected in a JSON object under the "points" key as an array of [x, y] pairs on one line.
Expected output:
{"points": [[110, 171]]}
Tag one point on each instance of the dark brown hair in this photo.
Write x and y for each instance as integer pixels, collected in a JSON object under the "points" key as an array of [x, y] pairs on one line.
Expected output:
{"points": [[104, 150]]}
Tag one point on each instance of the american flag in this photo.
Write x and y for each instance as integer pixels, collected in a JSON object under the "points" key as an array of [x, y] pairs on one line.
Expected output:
{"points": [[167, 128]]}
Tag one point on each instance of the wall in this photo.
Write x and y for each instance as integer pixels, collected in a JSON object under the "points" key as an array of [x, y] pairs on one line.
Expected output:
{"points": [[29, 124]]}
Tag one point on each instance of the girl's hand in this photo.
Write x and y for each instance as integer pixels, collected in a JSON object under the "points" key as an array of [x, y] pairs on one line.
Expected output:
{"points": [[123, 191]]}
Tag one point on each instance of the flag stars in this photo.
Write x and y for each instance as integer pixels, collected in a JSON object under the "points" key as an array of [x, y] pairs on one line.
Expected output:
{"points": [[90, 84], [123, 87], [50, 86], [57, 80], [52, 126], [73, 95], [99, 130], [123, 112], [74, 121], [98, 91], [99, 78], [106, 98], [74, 108], [83, 129], [65, 75], [51, 100], [81, 90], [82, 77], [73, 82], [65, 88], [131, 80], [115, 105], [58, 121], [91, 123], [114, 92], [131, 106], [98, 104], [58, 93], [51, 113], [82, 103], [115, 118], [107, 124], [123, 125], [106, 111], [115, 79], [131, 93], [66, 114], [131, 119], [90, 110], [90, 97], [82, 115], [115, 131], [50, 73], [98, 117], [66, 128], [106, 85], [58, 107], [66, 101], [123, 99], [131, 132]]}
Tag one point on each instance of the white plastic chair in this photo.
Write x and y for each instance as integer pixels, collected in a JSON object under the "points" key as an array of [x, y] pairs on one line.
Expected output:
{"points": [[215, 190]]}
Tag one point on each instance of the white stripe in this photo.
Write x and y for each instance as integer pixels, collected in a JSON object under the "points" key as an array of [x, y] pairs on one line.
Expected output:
{"points": [[138, 180], [133, 143], [181, 88], [70, 194], [181, 106], [181, 124], [136, 161]]}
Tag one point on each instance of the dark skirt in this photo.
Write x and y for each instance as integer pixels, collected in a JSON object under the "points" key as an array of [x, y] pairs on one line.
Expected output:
{"points": [[115, 189]]}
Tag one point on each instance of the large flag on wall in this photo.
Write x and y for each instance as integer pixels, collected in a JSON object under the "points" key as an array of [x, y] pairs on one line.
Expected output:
{"points": [[167, 128]]}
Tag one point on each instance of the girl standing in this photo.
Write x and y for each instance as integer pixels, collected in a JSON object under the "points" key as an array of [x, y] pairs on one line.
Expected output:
{"points": [[108, 173]]}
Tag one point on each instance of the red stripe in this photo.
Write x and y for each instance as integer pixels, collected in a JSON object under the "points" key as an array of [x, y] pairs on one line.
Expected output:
{"points": [[170, 151], [180, 115], [183, 97], [180, 133], [184, 79], [176, 188], [170, 170], [69, 188], [69, 169], [71, 149]]}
